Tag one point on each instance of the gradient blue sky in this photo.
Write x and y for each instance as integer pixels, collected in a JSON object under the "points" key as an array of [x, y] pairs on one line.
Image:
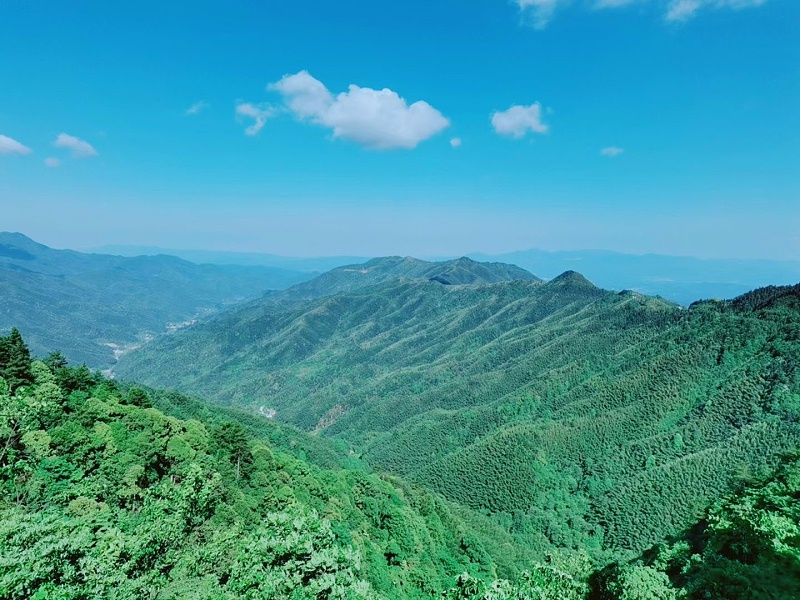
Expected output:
{"points": [[669, 126]]}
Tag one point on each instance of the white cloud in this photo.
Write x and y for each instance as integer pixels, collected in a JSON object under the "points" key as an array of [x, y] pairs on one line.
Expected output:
{"points": [[77, 147], [196, 108], [682, 10], [258, 112], [540, 11], [455, 142], [614, 3], [518, 120], [305, 96], [52, 162], [611, 151], [10, 146], [376, 119]]}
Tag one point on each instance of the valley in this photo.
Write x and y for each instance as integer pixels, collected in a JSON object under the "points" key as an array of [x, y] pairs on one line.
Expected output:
{"points": [[90, 306]]}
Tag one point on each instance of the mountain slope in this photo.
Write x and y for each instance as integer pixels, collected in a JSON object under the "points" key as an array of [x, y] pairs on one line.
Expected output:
{"points": [[102, 495], [234, 332], [304, 314], [90, 305], [619, 415]]}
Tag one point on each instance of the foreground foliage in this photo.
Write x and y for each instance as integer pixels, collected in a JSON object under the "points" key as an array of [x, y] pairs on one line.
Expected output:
{"points": [[102, 495]]}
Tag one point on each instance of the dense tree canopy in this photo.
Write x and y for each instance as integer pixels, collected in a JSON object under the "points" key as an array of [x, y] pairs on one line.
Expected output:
{"points": [[101, 493]]}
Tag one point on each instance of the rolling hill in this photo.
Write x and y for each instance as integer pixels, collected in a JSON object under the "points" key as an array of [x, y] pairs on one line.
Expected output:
{"points": [[92, 306]]}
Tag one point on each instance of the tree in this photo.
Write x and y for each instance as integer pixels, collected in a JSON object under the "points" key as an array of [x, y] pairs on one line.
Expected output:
{"points": [[55, 361], [231, 440], [15, 361], [636, 582], [138, 397]]}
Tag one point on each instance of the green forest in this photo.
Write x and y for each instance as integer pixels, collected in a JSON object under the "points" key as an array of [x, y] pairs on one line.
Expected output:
{"points": [[115, 491], [575, 419]]}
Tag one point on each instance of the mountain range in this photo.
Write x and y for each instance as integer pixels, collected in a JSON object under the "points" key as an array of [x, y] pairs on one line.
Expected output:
{"points": [[681, 279], [93, 306]]}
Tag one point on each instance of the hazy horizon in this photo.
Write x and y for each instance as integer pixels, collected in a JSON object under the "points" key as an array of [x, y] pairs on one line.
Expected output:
{"points": [[116, 246], [112, 248]]}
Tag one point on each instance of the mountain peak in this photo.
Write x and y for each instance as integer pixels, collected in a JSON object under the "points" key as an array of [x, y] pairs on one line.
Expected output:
{"points": [[17, 246], [465, 271], [571, 279]]}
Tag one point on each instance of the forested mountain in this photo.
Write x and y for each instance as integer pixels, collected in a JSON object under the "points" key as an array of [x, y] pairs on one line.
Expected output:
{"points": [[103, 495], [540, 439], [244, 323], [89, 305], [462, 271], [580, 420]]}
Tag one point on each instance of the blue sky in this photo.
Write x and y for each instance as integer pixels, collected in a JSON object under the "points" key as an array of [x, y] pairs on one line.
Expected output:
{"points": [[421, 128]]}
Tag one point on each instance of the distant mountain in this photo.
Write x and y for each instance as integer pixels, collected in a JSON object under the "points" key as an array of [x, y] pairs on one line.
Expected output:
{"points": [[681, 279], [573, 416], [92, 306], [254, 259], [462, 271]]}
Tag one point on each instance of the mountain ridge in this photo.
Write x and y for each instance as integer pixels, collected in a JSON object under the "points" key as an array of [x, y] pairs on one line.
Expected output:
{"points": [[463, 271], [681, 279]]}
